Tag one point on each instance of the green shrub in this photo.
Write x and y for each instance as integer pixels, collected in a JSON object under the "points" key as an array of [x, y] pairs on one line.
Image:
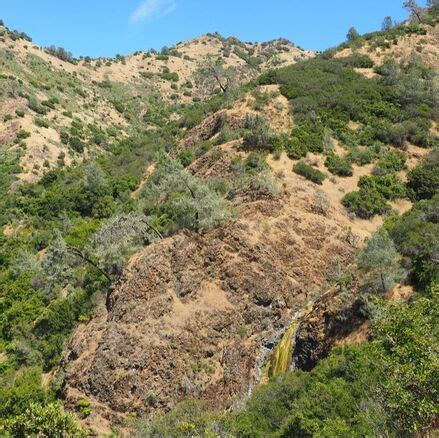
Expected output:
{"points": [[186, 157], [361, 156], [64, 136], [22, 135], [309, 172], [42, 123], [168, 76], [76, 144], [255, 163], [37, 420], [258, 134], [391, 161], [366, 203], [295, 149], [20, 112], [310, 135], [340, 166], [147, 74], [416, 236], [359, 61], [423, 180], [119, 106], [185, 200], [36, 106], [389, 186]]}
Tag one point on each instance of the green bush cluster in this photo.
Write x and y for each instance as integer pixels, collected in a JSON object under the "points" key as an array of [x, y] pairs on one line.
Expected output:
{"points": [[309, 172], [389, 186], [328, 93], [366, 203], [423, 180], [169, 76], [391, 161], [258, 135], [295, 149], [42, 123], [337, 165]]}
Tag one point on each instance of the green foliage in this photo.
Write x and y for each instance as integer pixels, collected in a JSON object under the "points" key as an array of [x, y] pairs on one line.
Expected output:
{"points": [[389, 186], [328, 93], [423, 180], [186, 157], [49, 421], [189, 418], [36, 106], [309, 172], [359, 61], [19, 390], [42, 123], [391, 161], [22, 134], [258, 136], [95, 198], [352, 34], [76, 144], [360, 156], [60, 53], [337, 165], [170, 76], [366, 203], [295, 149], [415, 234], [119, 106], [185, 200], [407, 342], [255, 163], [310, 135], [378, 263], [374, 192]]}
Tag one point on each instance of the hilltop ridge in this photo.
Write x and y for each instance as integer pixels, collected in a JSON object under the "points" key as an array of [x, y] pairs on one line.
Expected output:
{"points": [[67, 109]]}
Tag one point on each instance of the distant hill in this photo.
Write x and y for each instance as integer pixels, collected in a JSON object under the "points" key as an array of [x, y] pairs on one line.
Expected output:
{"points": [[63, 110]]}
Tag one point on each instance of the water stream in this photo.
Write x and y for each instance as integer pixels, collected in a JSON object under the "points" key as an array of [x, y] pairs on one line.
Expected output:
{"points": [[280, 358]]}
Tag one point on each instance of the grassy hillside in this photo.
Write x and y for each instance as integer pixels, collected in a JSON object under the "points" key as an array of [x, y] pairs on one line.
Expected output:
{"points": [[96, 167], [57, 110]]}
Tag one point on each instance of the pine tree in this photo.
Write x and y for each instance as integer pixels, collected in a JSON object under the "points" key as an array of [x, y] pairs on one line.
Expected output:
{"points": [[387, 23], [352, 34]]}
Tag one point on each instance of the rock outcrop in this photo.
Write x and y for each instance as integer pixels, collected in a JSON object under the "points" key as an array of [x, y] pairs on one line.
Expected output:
{"points": [[192, 313]]}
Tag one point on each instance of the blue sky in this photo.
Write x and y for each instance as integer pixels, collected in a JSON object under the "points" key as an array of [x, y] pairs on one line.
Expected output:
{"points": [[106, 27]]}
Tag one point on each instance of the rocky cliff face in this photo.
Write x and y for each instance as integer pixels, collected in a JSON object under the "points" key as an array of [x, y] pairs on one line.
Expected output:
{"points": [[331, 321], [192, 313]]}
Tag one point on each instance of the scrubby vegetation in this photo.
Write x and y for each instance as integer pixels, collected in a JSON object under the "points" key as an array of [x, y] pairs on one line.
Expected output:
{"points": [[309, 172], [68, 236]]}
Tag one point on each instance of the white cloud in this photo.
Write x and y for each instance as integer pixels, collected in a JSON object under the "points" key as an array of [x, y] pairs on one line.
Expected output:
{"points": [[149, 9]]}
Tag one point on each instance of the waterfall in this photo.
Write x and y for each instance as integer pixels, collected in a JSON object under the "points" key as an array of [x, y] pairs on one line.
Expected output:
{"points": [[282, 357]]}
